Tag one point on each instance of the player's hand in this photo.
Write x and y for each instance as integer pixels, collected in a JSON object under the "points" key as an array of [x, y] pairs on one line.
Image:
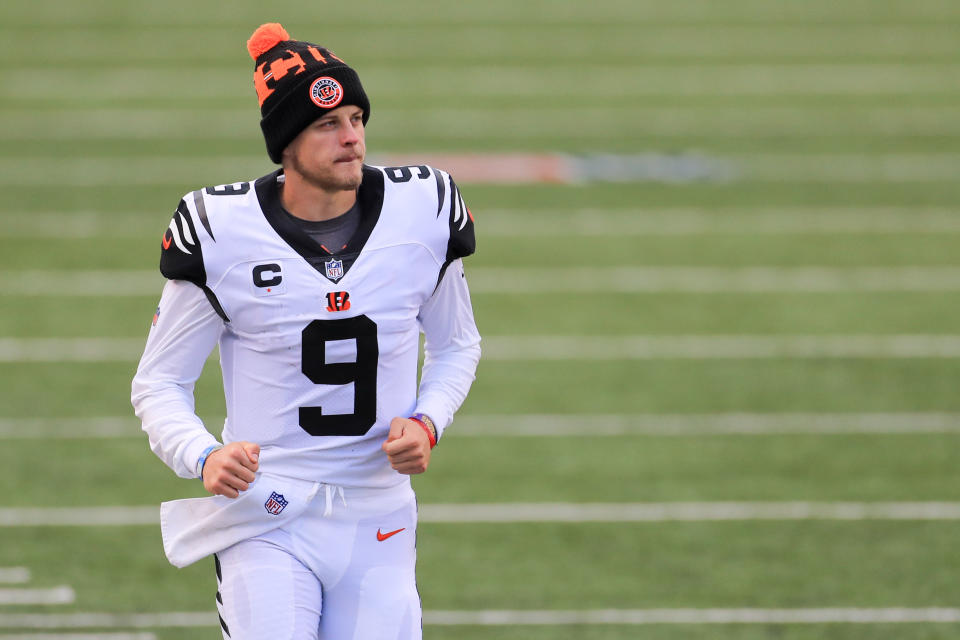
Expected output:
{"points": [[407, 446], [230, 470]]}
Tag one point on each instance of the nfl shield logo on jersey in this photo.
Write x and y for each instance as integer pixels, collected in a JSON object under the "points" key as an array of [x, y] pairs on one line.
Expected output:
{"points": [[334, 269], [275, 503]]}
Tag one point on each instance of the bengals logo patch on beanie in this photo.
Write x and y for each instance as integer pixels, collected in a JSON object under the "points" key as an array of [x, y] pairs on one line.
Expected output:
{"points": [[296, 83], [326, 92]]}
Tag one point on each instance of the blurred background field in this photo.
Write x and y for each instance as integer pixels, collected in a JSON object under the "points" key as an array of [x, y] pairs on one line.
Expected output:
{"points": [[763, 311]]}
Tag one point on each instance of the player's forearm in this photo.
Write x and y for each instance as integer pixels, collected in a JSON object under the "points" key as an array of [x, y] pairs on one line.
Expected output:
{"points": [[178, 439], [446, 379], [184, 333], [452, 349], [166, 411]]}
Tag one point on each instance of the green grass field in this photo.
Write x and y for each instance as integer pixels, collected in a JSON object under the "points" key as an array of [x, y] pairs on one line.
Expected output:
{"points": [[836, 127]]}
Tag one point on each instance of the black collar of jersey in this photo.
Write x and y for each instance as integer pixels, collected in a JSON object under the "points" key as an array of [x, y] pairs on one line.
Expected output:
{"points": [[369, 201]]}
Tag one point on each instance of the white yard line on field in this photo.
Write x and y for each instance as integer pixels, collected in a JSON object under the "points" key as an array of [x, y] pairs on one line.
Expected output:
{"points": [[530, 168], [688, 511], [812, 279], [14, 575], [79, 516], [653, 38], [593, 121], [89, 283], [84, 620], [70, 349], [692, 616], [78, 636], [561, 425], [594, 425], [56, 595], [574, 280], [69, 428], [687, 221], [75, 225], [545, 512], [493, 82], [515, 617], [693, 347], [565, 222], [561, 348]]}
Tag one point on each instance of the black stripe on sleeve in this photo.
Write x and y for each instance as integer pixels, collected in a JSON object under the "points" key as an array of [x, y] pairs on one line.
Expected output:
{"points": [[202, 212], [441, 190]]}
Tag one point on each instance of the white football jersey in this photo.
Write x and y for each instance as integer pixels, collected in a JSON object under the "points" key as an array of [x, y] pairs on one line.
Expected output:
{"points": [[318, 350]]}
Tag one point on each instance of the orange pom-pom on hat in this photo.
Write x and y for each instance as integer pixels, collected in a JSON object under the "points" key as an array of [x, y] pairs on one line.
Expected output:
{"points": [[266, 37]]}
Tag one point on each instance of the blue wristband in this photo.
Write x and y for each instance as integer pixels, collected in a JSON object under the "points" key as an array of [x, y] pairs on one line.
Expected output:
{"points": [[202, 460]]}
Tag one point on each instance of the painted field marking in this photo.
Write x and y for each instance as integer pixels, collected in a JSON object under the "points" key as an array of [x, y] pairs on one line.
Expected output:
{"points": [[545, 512], [86, 620], [70, 349], [490, 81], [687, 221], [529, 168], [69, 428], [688, 511], [562, 222], [579, 18], [527, 280], [627, 279], [79, 516], [14, 575], [82, 224], [593, 122], [559, 425], [79, 636], [562, 348], [512, 617], [89, 283], [654, 37], [595, 425], [465, 43], [693, 347], [56, 595], [693, 616]]}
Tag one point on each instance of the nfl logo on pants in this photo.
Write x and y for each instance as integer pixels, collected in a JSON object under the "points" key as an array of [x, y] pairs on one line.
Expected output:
{"points": [[275, 503]]}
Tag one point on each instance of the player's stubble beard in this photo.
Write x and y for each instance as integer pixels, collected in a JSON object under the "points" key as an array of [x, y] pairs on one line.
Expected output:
{"points": [[328, 179]]}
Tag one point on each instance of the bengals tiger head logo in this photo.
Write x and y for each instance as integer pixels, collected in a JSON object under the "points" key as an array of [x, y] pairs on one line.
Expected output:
{"points": [[326, 92]]}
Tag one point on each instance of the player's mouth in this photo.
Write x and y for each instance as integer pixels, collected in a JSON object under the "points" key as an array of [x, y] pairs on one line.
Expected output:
{"points": [[348, 159]]}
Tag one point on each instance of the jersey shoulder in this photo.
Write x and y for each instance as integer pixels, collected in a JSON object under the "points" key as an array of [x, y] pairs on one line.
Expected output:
{"points": [[191, 236], [193, 229], [181, 254], [439, 203]]}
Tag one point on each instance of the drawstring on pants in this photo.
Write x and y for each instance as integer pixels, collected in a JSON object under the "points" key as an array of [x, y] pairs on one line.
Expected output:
{"points": [[329, 490]]}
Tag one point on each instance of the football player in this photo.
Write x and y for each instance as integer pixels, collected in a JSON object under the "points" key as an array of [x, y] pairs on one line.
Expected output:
{"points": [[315, 281]]}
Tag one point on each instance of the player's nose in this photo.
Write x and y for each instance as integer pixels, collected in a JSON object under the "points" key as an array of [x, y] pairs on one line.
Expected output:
{"points": [[350, 133]]}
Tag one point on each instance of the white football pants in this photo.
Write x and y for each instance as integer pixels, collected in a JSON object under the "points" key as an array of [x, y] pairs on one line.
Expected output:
{"points": [[343, 570]]}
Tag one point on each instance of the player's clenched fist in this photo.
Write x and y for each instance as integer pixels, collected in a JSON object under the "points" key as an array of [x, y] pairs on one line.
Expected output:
{"points": [[230, 470], [407, 446]]}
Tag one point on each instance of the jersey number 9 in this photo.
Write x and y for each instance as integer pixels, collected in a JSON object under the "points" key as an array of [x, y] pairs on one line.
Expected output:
{"points": [[362, 373]]}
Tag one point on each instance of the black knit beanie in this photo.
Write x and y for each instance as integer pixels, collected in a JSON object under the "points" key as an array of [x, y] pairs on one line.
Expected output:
{"points": [[297, 82]]}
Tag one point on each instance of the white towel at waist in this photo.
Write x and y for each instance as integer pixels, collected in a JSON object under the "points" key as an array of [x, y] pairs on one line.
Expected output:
{"points": [[197, 527]]}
